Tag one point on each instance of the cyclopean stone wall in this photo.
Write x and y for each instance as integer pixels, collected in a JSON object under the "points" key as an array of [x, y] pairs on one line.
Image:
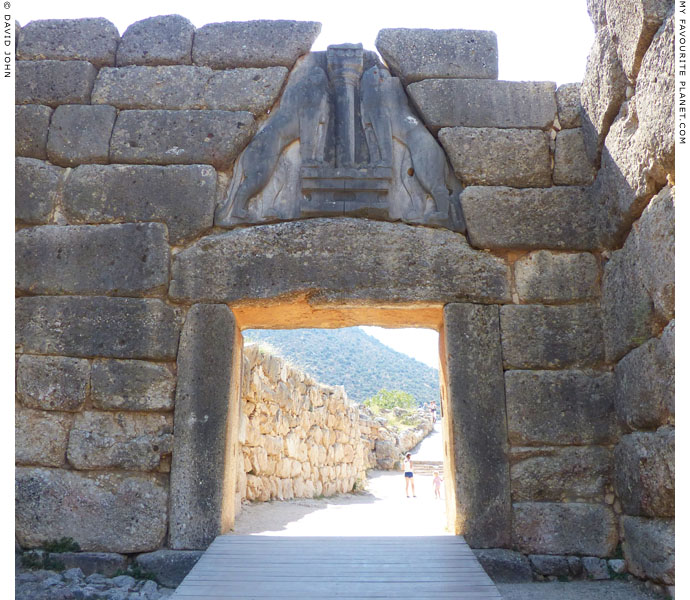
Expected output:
{"points": [[556, 308]]}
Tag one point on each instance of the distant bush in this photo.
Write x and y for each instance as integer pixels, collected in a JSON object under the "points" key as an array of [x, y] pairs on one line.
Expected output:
{"points": [[389, 399]]}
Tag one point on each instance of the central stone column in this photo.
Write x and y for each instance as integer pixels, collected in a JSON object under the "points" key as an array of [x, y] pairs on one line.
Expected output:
{"points": [[345, 65]]}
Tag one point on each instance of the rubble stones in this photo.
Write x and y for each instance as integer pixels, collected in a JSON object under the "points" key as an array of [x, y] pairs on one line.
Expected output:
{"points": [[595, 568], [35, 189], [181, 196], [94, 40], [484, 103], [253, 43], [504, 566], [180, 136], [78, 259], [80, 134], [52, 382], [118, 512], [169, 566], [490, 156], [163, 40], [31, 122], [416, 54], [569, 107], [54, 82]]}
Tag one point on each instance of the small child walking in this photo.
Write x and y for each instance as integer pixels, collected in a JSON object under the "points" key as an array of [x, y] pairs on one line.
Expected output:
{"points": [[437, 485]]}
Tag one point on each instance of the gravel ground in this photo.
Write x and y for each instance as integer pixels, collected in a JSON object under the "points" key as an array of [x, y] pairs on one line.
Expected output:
{"points": [[577, 590]]}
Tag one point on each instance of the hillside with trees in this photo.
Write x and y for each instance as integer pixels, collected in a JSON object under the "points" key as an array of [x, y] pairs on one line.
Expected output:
{"points": [[351, 358]]}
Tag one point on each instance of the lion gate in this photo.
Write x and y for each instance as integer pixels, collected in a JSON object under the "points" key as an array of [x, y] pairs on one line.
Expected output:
{"points": [[176, 186]]}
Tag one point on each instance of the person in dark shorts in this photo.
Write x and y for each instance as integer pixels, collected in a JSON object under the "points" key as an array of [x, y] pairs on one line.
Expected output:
{"points": [[409, 475]]}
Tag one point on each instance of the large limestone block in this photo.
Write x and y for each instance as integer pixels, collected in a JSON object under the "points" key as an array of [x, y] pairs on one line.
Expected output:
{"points": [[573, 528], [80, 134], [94, 40], [484, 103], [545, 276], [490, 156], [569, 107], [52, 382], [551, 337], [602, 91], [472, 354], [208, 367], [633, 25], [120, 440], [79, 259], [572, 166], [169, 566], [567, 474], [96, 326], [54, 82], [560, 408], [559, 218], [35, 189], [132, 385], [253, 43], [254, 90], [645, 473], [102, 512], [41, 437], [182, 137], [181, 196], [645, 386], [649, 548], [162, 40], [31, 124], [416, 54], [338, 259]]}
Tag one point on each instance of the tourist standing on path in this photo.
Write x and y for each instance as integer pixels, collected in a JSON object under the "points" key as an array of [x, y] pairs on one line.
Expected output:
{"points": [[433, 411], [409, 475], [437, 485]]}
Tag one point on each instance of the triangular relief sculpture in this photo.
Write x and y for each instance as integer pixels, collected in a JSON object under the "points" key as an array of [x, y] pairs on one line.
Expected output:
{"points": [[343, 141]]}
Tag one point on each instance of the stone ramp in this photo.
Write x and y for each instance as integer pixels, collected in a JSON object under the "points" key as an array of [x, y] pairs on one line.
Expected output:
{"points": [[271, 567]]}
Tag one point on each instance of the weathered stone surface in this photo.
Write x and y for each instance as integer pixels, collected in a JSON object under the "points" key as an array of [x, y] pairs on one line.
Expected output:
{"points": [[80, 134], [645, 386], [54, 82], [94, 40], [253, 90], [31, 124], [180, 136], [209, 348], [645, 473], [560, 408], [169, 566], [35, 189], [560, 474], [569, 107], [551, 337], [545, 276], [554, 528], [490, 156], [595, 568], [478, 423], [165, 87], [79, 259], [102, 512], [633, 25], [560, 218], [484, 103], [602, 92], [41, 437], [597, 12], [571, 163], [416, 54], [104, 563], [132, 385], [52, 382], [133, 442], [649, 548], [163, 40], [96, 326], [356, 260], [549, 565], [181, 196], [504, 566], [253, 43], [638, 287]]}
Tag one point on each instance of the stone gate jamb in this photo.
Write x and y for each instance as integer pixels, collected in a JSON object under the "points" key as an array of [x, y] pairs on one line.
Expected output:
{"points": [[203, 473], [476, 432]]}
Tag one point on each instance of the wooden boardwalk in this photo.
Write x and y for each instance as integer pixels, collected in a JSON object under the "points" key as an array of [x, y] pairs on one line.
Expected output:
{"points": [[348, 568]]}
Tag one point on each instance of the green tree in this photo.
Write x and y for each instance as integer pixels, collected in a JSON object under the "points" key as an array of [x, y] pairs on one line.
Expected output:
{"points": [[388, 399]]}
